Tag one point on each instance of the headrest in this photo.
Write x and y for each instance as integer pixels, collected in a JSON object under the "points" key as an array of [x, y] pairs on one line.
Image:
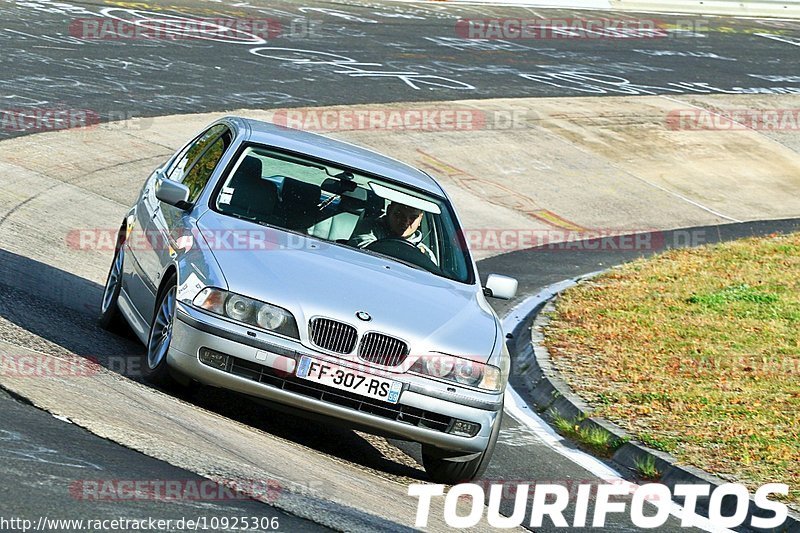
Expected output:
{"points": [[296, 191], [250, 167]]}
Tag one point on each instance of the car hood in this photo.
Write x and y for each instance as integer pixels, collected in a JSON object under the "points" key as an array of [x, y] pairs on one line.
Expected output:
{"points": [[310, 277]]}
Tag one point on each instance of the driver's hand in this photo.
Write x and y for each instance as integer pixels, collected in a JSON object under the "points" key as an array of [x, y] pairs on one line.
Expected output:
{"points": [[428, 252]]}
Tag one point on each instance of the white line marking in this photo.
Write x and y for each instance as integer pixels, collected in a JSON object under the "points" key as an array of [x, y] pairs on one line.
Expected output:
{"points": [[684, 198], [523, 414], [795, 42], [593, 5], [678, 101], [62, 418]]}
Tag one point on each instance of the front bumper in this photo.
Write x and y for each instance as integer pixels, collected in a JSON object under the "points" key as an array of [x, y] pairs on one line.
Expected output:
{"points": [[261, 365]]}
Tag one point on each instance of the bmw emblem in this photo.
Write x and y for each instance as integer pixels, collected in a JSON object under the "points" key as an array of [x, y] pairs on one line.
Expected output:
{"points": [[363, 315]]}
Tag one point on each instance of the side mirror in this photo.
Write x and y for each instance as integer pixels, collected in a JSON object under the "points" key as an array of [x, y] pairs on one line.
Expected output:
{"points": [[173, 193], [498, 286]]}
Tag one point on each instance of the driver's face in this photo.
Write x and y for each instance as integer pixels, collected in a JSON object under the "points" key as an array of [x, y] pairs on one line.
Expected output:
{"points": [[403, 220]]}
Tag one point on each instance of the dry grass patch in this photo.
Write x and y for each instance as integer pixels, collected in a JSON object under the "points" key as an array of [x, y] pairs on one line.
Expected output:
{"points": [[695, 352]]}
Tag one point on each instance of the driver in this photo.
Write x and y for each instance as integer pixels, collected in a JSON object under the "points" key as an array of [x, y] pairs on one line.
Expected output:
{"points": [[400, 222]]}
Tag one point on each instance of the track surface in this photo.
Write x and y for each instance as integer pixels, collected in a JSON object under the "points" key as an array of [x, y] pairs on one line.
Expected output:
{"points": [[383, 52], [419, 58], [63, 455]]}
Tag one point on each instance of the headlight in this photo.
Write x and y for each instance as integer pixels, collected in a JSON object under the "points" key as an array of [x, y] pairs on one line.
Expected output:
{"points": [[438, 366], [461, 371], [247, 311], [239, 308], [468, 372], [271, 317]]}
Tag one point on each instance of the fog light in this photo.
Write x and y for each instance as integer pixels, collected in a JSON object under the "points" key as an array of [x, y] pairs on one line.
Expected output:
{"points": [[212, 358], [464, 428]]}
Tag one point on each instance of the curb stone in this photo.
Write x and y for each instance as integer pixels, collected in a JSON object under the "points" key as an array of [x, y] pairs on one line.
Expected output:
{"points": [[546, 392]]}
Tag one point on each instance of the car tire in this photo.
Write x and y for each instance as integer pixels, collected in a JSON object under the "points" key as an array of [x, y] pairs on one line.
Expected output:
{"points": [[154, 364], [444, 467], [110, 317]]}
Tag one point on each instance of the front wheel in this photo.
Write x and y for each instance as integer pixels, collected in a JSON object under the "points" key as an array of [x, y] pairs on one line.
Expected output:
{"points": [[154, 367], [444, 467], [110, 317]]}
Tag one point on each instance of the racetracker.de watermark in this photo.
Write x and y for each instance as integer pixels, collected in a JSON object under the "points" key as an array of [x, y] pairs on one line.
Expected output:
{"points": [[734, 119], [47, 366], [127, 490], [46, 119], [560, 28], [30, 119], [584, 240], [741, 364], [388, 118], [250, 240], [479, 239], [175, 28]]}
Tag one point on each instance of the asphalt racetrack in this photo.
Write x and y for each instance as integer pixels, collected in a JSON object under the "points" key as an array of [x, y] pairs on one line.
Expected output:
{"points": [[362, 52], [327, 53]]}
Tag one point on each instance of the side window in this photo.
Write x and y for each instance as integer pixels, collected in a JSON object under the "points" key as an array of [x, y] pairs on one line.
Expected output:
{"points": [[178, 165], [194, 167], [201, 170]]}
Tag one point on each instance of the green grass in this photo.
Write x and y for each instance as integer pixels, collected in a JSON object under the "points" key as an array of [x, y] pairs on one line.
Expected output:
{"points": [[595, 439], [695, 352], [646, 467], [735, 293], [564, 425], [664, 444]]}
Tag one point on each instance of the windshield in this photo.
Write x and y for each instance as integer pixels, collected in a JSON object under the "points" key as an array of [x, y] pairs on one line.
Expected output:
{"points": [[342, 206]]}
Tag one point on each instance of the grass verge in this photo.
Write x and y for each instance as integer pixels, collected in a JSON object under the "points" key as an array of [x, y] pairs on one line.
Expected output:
{"points": [[595, 439], [695, 352], [646, 468]]}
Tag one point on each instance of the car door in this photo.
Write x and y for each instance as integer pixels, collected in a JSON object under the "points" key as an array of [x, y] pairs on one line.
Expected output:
{"points": [[139, 246], [164, 223]]}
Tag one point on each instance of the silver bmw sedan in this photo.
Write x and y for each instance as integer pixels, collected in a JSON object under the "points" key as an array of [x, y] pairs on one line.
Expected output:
{"points": [[315, 274]]}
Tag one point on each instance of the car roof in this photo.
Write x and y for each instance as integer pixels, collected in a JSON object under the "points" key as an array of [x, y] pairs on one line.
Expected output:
{"points": [[335, 151]]}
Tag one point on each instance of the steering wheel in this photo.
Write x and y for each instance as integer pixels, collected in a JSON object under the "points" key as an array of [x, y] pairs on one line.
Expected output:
{"points": [[404, 250]]}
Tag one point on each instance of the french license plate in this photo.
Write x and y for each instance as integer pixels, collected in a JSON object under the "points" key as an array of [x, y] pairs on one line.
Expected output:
{"points": [[346, 379]]}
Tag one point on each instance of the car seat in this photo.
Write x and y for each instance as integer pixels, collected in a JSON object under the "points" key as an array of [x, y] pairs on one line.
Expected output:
{"points": [[299, 204], [251, 195]]}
